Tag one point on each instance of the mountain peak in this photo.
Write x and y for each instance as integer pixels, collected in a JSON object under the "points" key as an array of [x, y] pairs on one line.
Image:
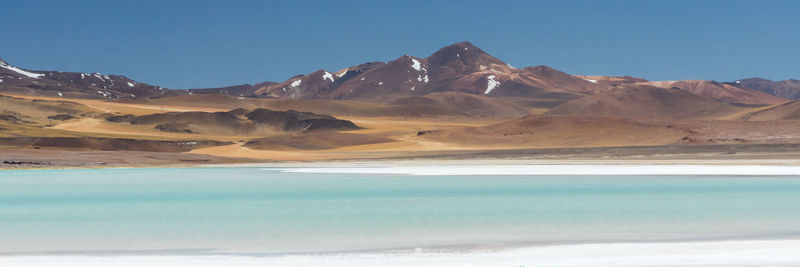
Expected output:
{"points": [[461, 58], [458, 49], [464, 44]]}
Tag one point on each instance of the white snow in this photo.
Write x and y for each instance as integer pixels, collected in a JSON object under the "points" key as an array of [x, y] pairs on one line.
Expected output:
{"points": [[738, 81], [83, 76], [1, 80], [130, 84], [23, 72], [491, 84], [590, 80], [296, 83], [362, 78], [60, 94], [422, 79], [413, 88], [327, 75], [380, 83], [415, 64]]}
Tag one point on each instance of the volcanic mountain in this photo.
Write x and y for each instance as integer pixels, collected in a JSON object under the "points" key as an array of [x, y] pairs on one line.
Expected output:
{"points": [[459, 67], [788, 89]]}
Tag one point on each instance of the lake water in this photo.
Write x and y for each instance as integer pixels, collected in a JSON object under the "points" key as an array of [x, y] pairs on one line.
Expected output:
{"points": [[257, 211]]}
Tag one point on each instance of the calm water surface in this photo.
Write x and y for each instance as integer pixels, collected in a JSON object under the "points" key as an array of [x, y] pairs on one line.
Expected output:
{"points": [[256, 210]]}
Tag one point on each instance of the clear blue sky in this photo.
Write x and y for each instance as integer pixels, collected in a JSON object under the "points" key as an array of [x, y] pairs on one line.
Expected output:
{"points": [[190, 44]]}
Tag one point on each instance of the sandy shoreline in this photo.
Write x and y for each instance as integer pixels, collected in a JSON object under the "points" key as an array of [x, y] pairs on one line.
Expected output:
{"points": [[713, 253], [775, 154]]}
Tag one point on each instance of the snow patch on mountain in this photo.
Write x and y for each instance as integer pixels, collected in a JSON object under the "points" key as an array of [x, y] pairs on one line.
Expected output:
{"points": [[491, 84], [21, 71], [327, 76], [415, 64], [296, 83], [130, 84], [590, 80]]}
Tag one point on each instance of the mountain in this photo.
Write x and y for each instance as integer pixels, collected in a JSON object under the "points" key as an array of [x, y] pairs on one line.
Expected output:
{"points": [[460, 67], [788, 89], [644, 102], [76, 84], [721, 92]]}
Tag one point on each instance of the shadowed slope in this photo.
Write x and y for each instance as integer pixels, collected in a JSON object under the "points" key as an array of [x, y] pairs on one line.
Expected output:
{"points": [[647, 102]]}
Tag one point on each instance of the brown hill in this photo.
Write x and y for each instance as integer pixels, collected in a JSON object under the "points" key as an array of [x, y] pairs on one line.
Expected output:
{"points": [[721, 92], [788, 89], [237, 122], [461, 104], [646, 102], [536, 131], [786, 111]]}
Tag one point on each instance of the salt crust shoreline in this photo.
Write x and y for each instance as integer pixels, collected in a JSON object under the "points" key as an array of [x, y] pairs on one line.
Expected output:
{"points": [[716, 253], [671, 169]]}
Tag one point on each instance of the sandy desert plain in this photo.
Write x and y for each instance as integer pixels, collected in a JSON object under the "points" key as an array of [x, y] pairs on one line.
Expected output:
{"points": [[386, 133]]}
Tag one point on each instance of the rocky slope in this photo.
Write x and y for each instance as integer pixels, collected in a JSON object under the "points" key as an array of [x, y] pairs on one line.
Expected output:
{"points": [[788, 89]]}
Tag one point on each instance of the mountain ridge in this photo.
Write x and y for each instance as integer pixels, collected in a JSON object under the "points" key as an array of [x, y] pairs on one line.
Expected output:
{"points": [[460, 67]]}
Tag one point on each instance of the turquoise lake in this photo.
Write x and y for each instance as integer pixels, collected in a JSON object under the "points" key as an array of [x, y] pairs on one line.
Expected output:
{"points": [[266, 211]]}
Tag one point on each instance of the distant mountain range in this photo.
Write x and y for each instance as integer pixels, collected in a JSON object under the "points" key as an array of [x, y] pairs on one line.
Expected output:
{"points": [[460, 67]]}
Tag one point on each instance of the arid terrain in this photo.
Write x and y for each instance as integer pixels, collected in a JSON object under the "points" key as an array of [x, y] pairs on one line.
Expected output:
{"points": [[460, 102]]}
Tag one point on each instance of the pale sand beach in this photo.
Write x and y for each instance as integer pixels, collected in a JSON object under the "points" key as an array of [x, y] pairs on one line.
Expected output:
{"points": [[726, 253]]}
